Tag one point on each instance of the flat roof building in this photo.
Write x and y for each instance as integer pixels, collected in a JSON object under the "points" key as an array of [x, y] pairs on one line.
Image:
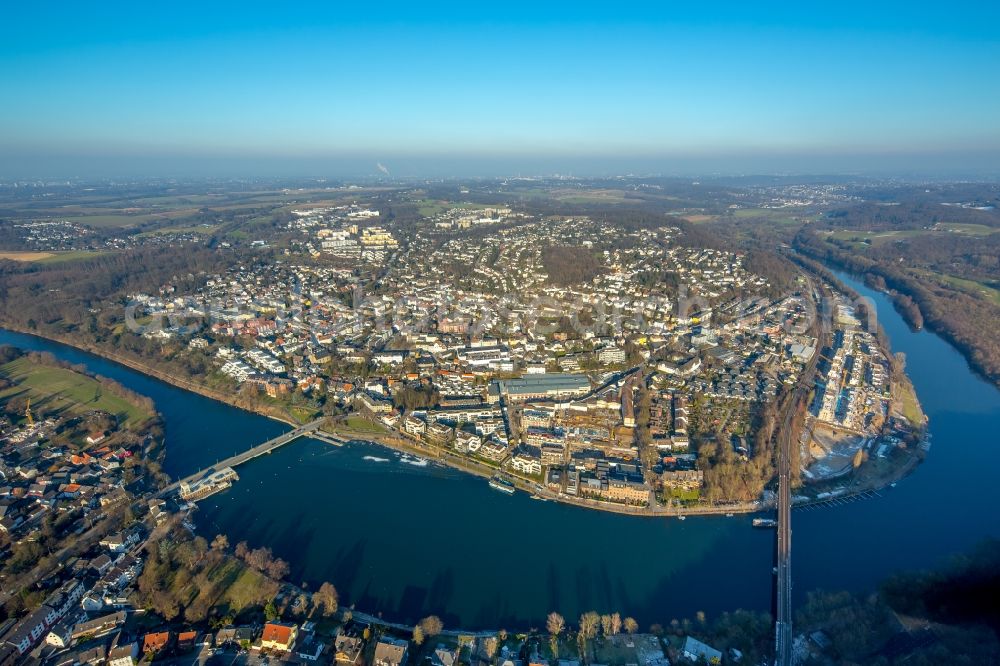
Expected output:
{"points": [[553, 385]]}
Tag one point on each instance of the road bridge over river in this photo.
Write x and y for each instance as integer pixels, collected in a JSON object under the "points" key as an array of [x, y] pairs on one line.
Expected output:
{"points": [[309, 429]]}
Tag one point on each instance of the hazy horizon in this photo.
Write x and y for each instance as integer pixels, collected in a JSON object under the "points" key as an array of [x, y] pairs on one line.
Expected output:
{"points": [[119, 89], [916, 167]]}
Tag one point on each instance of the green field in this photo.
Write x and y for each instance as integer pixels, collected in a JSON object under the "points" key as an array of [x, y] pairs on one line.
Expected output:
{"points": [[778, 216], [66, 392], [432, 207], [116, 219], [196, 229], [962, 284], [880, 237], [685, 495], [876, 237], [361, 424], [971, 229], [73, 255]]}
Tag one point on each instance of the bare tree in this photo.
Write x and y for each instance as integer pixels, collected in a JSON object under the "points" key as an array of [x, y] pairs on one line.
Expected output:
{"points": [[555, 623], [431, 625], [631, 626], [616, 624], [589, 622], [490, 646], [277, 569], [606, 625], [327, 596], [418, 635], [259, 558], [302, 605]]}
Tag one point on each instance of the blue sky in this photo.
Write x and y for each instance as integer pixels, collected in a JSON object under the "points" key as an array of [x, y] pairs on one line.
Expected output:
{"points": [[780, 85]]}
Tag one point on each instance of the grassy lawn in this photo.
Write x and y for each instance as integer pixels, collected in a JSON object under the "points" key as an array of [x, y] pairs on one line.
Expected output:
{"points": [[241, 585], [67, 391], [685, 495], [909, 405], [361, 424], [302, 414]]}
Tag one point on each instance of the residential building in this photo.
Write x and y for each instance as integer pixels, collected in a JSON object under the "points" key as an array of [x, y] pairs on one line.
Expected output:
{"points": [[390, 652], [279, 636]]}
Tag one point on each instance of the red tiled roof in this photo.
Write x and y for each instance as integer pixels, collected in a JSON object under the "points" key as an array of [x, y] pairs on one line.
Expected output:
{"points": [[157, 641], [277, 633]]}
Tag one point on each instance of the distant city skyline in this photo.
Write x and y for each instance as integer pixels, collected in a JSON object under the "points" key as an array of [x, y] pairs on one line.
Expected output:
{"points": [[458, 90]]}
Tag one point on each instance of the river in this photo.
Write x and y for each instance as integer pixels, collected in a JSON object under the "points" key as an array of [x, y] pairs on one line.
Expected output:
{"points": [[406, 540]]}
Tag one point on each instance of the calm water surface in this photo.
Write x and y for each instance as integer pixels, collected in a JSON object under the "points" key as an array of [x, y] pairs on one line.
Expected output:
{"points": [[407, 540]]}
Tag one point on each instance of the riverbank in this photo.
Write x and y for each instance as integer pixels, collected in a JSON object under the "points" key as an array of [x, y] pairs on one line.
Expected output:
{"points": [[399, 444], [173, 380], [936, 315], [336, 515], [475, 468]]}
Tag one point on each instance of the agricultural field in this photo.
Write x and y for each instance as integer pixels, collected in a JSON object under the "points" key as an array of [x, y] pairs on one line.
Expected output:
{"points": [[26, 256], [50, 257]]}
